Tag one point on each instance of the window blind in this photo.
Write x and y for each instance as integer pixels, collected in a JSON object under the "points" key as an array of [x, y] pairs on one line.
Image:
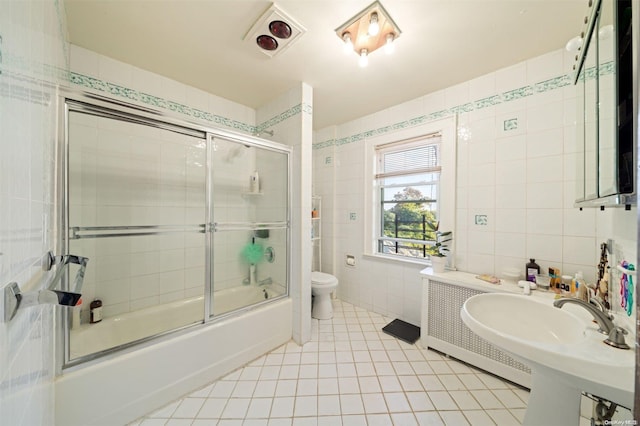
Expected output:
{"points": [[419, 155]]}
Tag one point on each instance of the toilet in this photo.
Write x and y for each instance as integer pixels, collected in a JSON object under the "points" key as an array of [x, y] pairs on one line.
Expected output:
{"points": [[321, 287]]}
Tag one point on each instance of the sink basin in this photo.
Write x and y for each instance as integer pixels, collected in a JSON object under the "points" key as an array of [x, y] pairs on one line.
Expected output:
{"points": [[565, 352], [519, 320]]}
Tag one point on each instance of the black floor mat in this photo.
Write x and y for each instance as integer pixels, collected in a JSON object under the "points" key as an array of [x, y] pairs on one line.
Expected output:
{"points": [[402, 330]]}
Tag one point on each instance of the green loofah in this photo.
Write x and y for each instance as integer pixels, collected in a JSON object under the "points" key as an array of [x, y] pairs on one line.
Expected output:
{"points": [[253, 253]]}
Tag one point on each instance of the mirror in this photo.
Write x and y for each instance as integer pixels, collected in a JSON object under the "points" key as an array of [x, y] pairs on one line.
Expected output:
{"points": [[607, 126]]}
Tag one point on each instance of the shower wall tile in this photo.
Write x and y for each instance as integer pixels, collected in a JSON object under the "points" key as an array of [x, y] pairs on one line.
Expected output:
{"points": [[32, 49]]}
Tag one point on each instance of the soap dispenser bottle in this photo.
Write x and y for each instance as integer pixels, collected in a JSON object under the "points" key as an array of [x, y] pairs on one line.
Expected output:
{"points": [[532, 268]]}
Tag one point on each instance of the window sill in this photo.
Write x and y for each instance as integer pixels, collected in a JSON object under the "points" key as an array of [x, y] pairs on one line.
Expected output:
{"points": [[395, 259]]}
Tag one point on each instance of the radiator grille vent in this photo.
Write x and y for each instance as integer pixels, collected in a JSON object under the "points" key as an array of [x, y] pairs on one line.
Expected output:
{"points": [[445, 302]]}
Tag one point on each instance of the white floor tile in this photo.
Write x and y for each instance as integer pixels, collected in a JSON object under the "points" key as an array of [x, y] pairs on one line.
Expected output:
{"points": [[188, 408], [222, 389], [259, 408], [369, 384], [374, 403], [509, 399], [358, 420], [379, 420], [419, 401], [244, 389], [328, 386], [486, 399], [329, 420], [236, 408], [390, 384], [265, 388], [429, 418], [348, 385], [307, 387], [404, 419], [397, 402], [503, 418], [471, 381], [350, 374], [442, 401], [453, 418], [282, 407], [212, 408], [410, 383], [478, 418], [351, 404], [451, 382], [306, 406], [329, 405], [286, 387]]}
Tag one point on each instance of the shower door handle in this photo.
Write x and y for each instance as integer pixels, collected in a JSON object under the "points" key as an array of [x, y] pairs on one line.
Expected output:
{"points": [[248, 226]]}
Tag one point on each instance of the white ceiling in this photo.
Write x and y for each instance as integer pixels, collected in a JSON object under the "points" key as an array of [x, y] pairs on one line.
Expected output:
{"points": [[443, 42]]}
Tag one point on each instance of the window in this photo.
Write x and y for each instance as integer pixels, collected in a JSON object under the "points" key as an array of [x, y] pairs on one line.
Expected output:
{"points": [[407, 182]]}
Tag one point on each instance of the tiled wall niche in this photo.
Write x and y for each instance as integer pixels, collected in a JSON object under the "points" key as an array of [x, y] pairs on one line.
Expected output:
{"points": [[33, 59], [515, 185]]}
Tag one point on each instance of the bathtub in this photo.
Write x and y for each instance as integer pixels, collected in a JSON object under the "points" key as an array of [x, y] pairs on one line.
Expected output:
{"points": [[132, 326], [120, 388]]}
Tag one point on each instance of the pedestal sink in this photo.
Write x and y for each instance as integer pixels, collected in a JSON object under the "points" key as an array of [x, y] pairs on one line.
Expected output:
{"points": [[565, 352]]}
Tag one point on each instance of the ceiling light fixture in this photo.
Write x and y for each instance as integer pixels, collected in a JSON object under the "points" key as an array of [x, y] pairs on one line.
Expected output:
{"points": [[367, 31], [389, 47], [348, 44], [374, 27], [364, 58]]}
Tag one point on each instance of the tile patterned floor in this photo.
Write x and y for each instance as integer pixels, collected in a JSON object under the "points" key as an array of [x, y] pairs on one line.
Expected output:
{"points": [[350, 373]]}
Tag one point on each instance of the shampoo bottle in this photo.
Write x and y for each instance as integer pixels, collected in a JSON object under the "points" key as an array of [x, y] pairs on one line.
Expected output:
{"points": [[532, 269]]}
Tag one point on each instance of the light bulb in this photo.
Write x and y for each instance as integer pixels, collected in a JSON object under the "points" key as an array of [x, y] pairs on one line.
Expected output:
{"points": [[348, 44], [374, 27], [364, 58], [389, 47]]}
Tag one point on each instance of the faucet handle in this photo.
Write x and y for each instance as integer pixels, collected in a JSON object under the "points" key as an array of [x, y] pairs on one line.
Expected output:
{"points": [[616, 338]]}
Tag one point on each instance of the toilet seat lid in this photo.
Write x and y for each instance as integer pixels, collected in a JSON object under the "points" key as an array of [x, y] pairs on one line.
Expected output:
{"points": [[321, 278]]}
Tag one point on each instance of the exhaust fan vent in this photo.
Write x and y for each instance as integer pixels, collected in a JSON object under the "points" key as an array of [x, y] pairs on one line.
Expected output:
{"points": [[274, 31]]}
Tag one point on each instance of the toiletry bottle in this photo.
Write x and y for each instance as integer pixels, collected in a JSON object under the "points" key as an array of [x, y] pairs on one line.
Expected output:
{"points": [[554, 282], [531, 270], [254, 182], [576, 283], [566, 284], [95, 309]]}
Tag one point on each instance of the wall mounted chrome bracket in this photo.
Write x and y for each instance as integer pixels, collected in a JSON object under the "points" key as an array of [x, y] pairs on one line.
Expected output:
{"points": [[14, 298]]}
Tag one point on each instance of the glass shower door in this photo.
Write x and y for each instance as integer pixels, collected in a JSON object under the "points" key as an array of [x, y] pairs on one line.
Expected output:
{"points": [[137, 208], [250, 199]]}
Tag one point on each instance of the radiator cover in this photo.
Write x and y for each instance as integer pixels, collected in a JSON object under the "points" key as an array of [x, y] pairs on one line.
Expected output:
{"points": [[443, 329]]}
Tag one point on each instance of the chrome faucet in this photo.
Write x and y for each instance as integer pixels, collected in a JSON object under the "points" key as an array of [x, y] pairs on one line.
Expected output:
{"points": [[603, 320], [600, 305]]}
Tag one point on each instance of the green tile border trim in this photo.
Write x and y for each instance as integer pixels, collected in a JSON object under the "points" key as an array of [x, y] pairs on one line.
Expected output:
{"points": [[504, 97], [97, 84]]}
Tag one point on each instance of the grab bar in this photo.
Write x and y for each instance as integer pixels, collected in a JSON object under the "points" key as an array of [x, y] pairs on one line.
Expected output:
{"points": [[14, 298], [248, 226], [79, 232]]}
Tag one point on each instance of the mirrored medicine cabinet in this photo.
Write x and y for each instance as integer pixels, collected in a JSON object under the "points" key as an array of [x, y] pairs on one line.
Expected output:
{"points": [[606, 155]]}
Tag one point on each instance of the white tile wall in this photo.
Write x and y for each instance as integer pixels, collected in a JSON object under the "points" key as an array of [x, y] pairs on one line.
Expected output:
{"points": [[296, 132], [32, 48], [517, 168]]}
